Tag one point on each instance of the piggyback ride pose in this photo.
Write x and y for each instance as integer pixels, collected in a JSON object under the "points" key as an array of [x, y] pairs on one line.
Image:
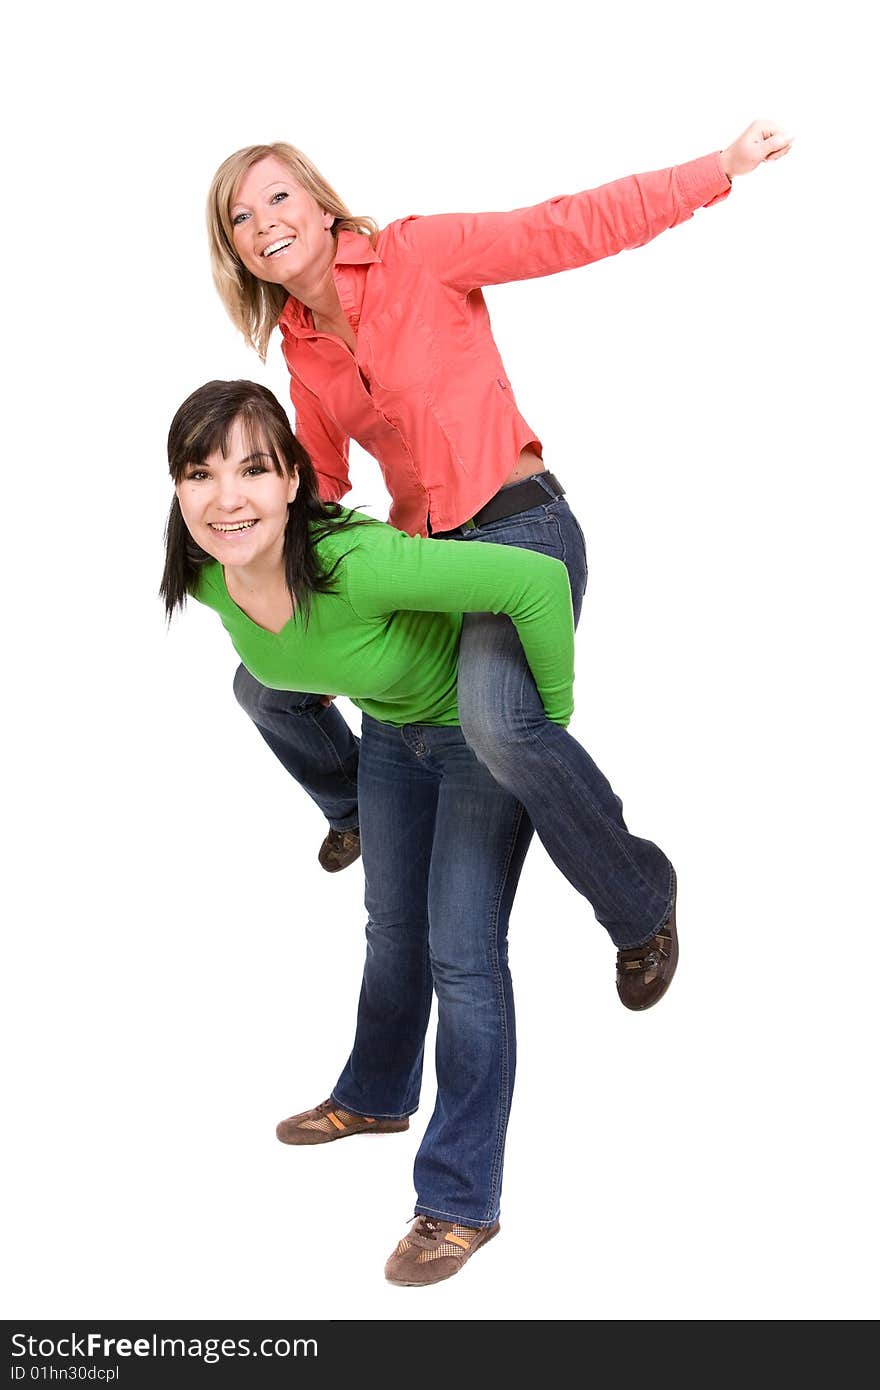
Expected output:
{"points": [[315, 597], [387, 338]]}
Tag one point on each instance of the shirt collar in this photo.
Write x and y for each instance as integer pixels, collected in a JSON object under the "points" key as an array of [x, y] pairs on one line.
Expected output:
{"points": [[352, 248]]}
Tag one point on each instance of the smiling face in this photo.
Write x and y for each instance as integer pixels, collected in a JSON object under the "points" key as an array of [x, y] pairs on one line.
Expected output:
{"points": [[235, 502], [279, 231]]}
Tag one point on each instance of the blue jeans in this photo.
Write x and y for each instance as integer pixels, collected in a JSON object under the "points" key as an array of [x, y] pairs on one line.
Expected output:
{"points": [[628, 881], [443, 846], [311, 740]]}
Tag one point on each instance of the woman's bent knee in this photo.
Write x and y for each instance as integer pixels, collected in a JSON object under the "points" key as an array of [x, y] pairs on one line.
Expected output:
{"points": [[262, 703], [501, 739]]}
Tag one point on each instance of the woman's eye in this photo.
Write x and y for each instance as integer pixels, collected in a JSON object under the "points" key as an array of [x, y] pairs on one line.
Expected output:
{"points": [[277, 197], [239, 218], [196, 475], [255, 470]]}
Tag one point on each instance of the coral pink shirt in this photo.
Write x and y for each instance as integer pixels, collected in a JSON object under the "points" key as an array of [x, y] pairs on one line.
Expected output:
{"points": [[426, 392]]}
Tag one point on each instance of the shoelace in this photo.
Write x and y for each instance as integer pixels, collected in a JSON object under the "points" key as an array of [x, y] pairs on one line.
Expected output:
{"points": [[426, 1227], [644, 957]]}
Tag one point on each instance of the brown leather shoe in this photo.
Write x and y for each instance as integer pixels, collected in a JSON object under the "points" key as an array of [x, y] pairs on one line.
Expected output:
{"points": [[329, 1121], [435, 1250], [645, 973], [339, 849]]}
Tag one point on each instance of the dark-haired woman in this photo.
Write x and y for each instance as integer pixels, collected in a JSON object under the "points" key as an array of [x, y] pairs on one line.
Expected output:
{"points": [[388, 341], [316, 598]]}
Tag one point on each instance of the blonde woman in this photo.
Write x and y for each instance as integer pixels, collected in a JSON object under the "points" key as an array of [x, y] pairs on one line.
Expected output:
{"points": [[387, 339]]}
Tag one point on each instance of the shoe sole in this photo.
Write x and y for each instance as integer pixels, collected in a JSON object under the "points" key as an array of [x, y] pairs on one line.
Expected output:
{"points": [[424, 1284], [337, 868], [307, 1137]]}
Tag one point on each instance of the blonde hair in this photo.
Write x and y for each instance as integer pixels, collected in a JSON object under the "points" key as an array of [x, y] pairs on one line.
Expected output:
{"points": [[254, 305]]}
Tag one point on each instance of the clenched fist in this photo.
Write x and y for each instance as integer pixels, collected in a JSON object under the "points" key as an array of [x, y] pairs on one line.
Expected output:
{"points": [[762, 141]]}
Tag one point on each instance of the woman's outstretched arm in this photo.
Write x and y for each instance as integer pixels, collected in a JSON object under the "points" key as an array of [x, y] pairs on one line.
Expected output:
{"points": [[469, 250]]}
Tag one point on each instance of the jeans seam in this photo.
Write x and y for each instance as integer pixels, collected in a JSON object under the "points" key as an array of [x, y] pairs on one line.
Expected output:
{"points": [[667, 913], [386, 743], [554, 518], [374, 1114], [504, 1091], [539, 735], [352, 782], [525, 730], [422, 1209]]}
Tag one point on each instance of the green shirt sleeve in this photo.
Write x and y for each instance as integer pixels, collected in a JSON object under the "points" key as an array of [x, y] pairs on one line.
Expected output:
{"points": [[392, 571]]}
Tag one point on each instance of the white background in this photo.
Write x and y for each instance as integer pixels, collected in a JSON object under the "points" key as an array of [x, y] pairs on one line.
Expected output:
{"points": [[180, 973]]}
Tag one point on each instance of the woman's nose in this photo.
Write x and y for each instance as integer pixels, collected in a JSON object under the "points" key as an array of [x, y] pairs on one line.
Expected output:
{"points": [[229, 495]]}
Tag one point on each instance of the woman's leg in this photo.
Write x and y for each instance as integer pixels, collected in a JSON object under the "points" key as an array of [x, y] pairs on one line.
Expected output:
{"points": [[628, 881], [398, 795], [311, 740], [480, 840]]}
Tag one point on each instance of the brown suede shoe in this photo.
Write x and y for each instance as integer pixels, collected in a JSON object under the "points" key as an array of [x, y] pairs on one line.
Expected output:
{"points": [[328, 1122], [645, 973], [339, 849], [435, 1250]]}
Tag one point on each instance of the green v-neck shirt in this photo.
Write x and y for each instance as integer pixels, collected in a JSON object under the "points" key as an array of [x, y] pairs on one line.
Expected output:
{"points": [[388, 636]]}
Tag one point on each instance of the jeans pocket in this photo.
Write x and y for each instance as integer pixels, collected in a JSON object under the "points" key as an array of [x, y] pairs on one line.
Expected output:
{"points": [[536, 529], [571, 549]]}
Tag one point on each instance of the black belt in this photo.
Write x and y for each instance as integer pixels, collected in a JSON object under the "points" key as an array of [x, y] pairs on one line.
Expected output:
{"points": [[517, 497]]}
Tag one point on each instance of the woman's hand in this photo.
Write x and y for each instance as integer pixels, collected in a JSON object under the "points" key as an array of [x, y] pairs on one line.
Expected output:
{"points": [[762, 141]]}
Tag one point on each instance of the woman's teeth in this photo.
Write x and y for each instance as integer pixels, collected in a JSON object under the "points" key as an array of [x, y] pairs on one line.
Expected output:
{"points": [[232, 526], [279, 246]]}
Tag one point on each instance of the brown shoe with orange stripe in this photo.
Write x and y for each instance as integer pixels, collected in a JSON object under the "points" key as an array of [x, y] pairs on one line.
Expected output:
{"points": [[435, 1250], [329, 1121]]}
